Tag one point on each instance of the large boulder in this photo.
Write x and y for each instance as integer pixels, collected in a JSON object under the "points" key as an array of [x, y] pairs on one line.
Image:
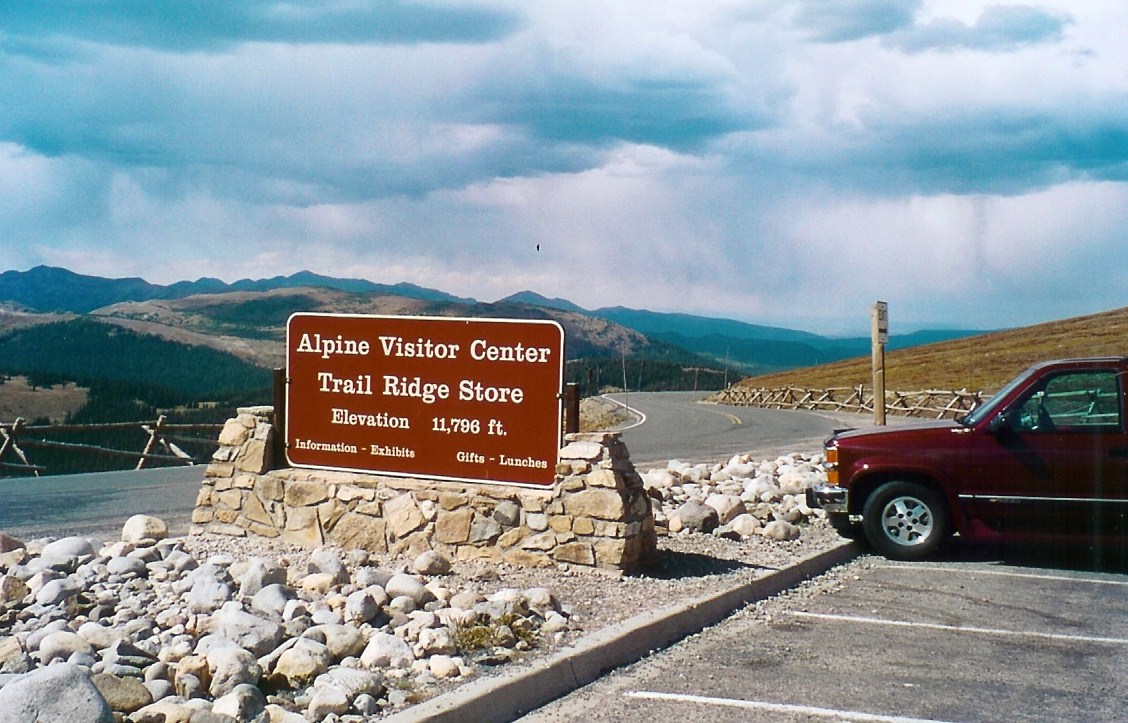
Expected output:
{"points": [[61, 693]]}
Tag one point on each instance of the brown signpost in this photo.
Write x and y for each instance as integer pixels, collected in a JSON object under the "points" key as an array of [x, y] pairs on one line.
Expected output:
{"points": [[457, 399]]}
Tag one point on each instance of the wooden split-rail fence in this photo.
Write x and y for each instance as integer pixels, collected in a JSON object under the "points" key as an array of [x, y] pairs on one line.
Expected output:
{"points": [[929, 403], [18, 437]]}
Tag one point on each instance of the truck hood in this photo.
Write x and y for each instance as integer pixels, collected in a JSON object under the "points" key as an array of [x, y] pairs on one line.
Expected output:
{"points": [[902, 430]]}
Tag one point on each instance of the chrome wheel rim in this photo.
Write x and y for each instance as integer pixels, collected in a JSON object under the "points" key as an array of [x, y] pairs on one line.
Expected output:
{"points": [[907, 521]]}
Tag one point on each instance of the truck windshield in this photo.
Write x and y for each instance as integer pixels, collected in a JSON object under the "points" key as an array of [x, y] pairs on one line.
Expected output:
{"points": [[988, 407]]}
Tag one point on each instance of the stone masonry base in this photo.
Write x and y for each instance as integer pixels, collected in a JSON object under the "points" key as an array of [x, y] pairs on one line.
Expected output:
{"points": [[597, 514]]}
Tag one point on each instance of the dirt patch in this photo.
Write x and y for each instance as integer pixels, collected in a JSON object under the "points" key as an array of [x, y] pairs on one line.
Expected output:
{"points": [[599, 415], [19, 399]]}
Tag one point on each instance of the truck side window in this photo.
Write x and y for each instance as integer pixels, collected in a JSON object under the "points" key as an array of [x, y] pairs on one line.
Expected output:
{"points": [[1074, 401]]}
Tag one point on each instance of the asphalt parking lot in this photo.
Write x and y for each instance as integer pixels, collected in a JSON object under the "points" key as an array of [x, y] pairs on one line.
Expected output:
{"points": [[971, 637]]}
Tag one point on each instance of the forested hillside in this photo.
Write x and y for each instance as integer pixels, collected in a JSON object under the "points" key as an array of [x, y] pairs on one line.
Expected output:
{"points": [[130, 377], [85, 351]]}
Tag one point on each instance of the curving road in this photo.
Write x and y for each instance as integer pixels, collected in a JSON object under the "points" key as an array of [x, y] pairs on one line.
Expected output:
{"points": [[676, 426]]}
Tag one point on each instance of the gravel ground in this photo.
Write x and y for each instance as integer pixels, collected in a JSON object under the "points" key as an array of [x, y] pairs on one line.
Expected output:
{"points": [[690, 565]]}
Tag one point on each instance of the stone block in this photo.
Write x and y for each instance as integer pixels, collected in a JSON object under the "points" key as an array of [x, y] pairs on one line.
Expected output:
{"points": [[244, 481], [603, 478], [234, 433], [577, 553], [219, 469], [560, 523], [542, 541], [511, 537], [610, 529], [270, 488], [304, 494], [472, 553], [202, 515], [574, 483], [229, 530], [253, 458], [583, 526], [413, 545], [268, 531], [453, 528], [303, 527], [229, 499], [449, 501], [527, 558], [507, 513], [609, 553], [329, 512], [403, 515], [254, 511], [603, 504], [360, 532], [483, 529], [348, 493], [582, 450]]}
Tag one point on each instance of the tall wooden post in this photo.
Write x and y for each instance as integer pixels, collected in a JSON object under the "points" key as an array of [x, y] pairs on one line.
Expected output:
{"points": [[879, 336], [279, 418], [571, 408]]}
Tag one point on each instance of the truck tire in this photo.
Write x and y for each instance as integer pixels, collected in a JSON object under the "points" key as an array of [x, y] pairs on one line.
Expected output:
{"points": [[905, 520]]}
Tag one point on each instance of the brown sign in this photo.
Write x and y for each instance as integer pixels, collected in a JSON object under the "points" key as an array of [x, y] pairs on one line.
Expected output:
{"points": [[464, 399]]}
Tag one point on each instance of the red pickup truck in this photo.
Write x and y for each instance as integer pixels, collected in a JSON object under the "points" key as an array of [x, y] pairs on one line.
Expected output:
{"points": [[1046, 458]]}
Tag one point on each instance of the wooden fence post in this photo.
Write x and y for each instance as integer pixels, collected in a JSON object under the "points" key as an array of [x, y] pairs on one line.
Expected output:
{"points": [[571, 408], [280, 382]]}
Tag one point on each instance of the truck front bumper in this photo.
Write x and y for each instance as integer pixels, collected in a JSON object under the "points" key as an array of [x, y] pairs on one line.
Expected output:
{"points": [[832, 498]]}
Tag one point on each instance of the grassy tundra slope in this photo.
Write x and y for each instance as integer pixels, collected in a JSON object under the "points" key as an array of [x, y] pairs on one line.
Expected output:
{"points": [[977, 363]]}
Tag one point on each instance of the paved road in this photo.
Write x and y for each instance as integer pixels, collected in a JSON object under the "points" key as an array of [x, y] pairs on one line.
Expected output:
{"points": [[679, 427], [97, 504], [676, 426], [968, 638]]}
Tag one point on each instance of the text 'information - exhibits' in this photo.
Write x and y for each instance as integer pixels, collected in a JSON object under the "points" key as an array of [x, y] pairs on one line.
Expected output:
{"points": [[465, 399]]}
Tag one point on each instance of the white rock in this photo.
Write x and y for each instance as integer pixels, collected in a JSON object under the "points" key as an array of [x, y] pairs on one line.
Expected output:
{"points": [[325, 701], [303, 662], [781, 530], [408, 586], [231, 666], [56, 693], [431, 563], [727, 507], [61, 645], [251, 632], [386, 651], [443, 666], [745, 525], [143, 527]]}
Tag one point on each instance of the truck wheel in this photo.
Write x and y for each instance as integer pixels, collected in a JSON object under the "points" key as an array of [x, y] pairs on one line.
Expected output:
{"points": [[905, 521]]}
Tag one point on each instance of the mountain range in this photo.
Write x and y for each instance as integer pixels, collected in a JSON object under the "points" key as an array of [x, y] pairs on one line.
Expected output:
{"points": [[248, 308]]}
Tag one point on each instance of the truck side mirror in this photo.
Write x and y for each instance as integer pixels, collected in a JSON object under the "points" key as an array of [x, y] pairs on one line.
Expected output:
{"points": [[1003, 422]]}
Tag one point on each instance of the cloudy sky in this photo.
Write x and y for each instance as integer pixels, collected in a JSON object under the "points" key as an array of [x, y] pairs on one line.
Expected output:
{"points": [[774, 161]]}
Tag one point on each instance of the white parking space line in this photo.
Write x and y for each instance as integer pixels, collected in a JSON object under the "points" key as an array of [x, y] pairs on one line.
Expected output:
{"points": [[961, 628], [1003, 573], [778, 708]]}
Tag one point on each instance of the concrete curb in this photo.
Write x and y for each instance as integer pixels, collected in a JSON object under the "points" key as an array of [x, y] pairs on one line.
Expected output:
{"points": [[507, 697]]}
